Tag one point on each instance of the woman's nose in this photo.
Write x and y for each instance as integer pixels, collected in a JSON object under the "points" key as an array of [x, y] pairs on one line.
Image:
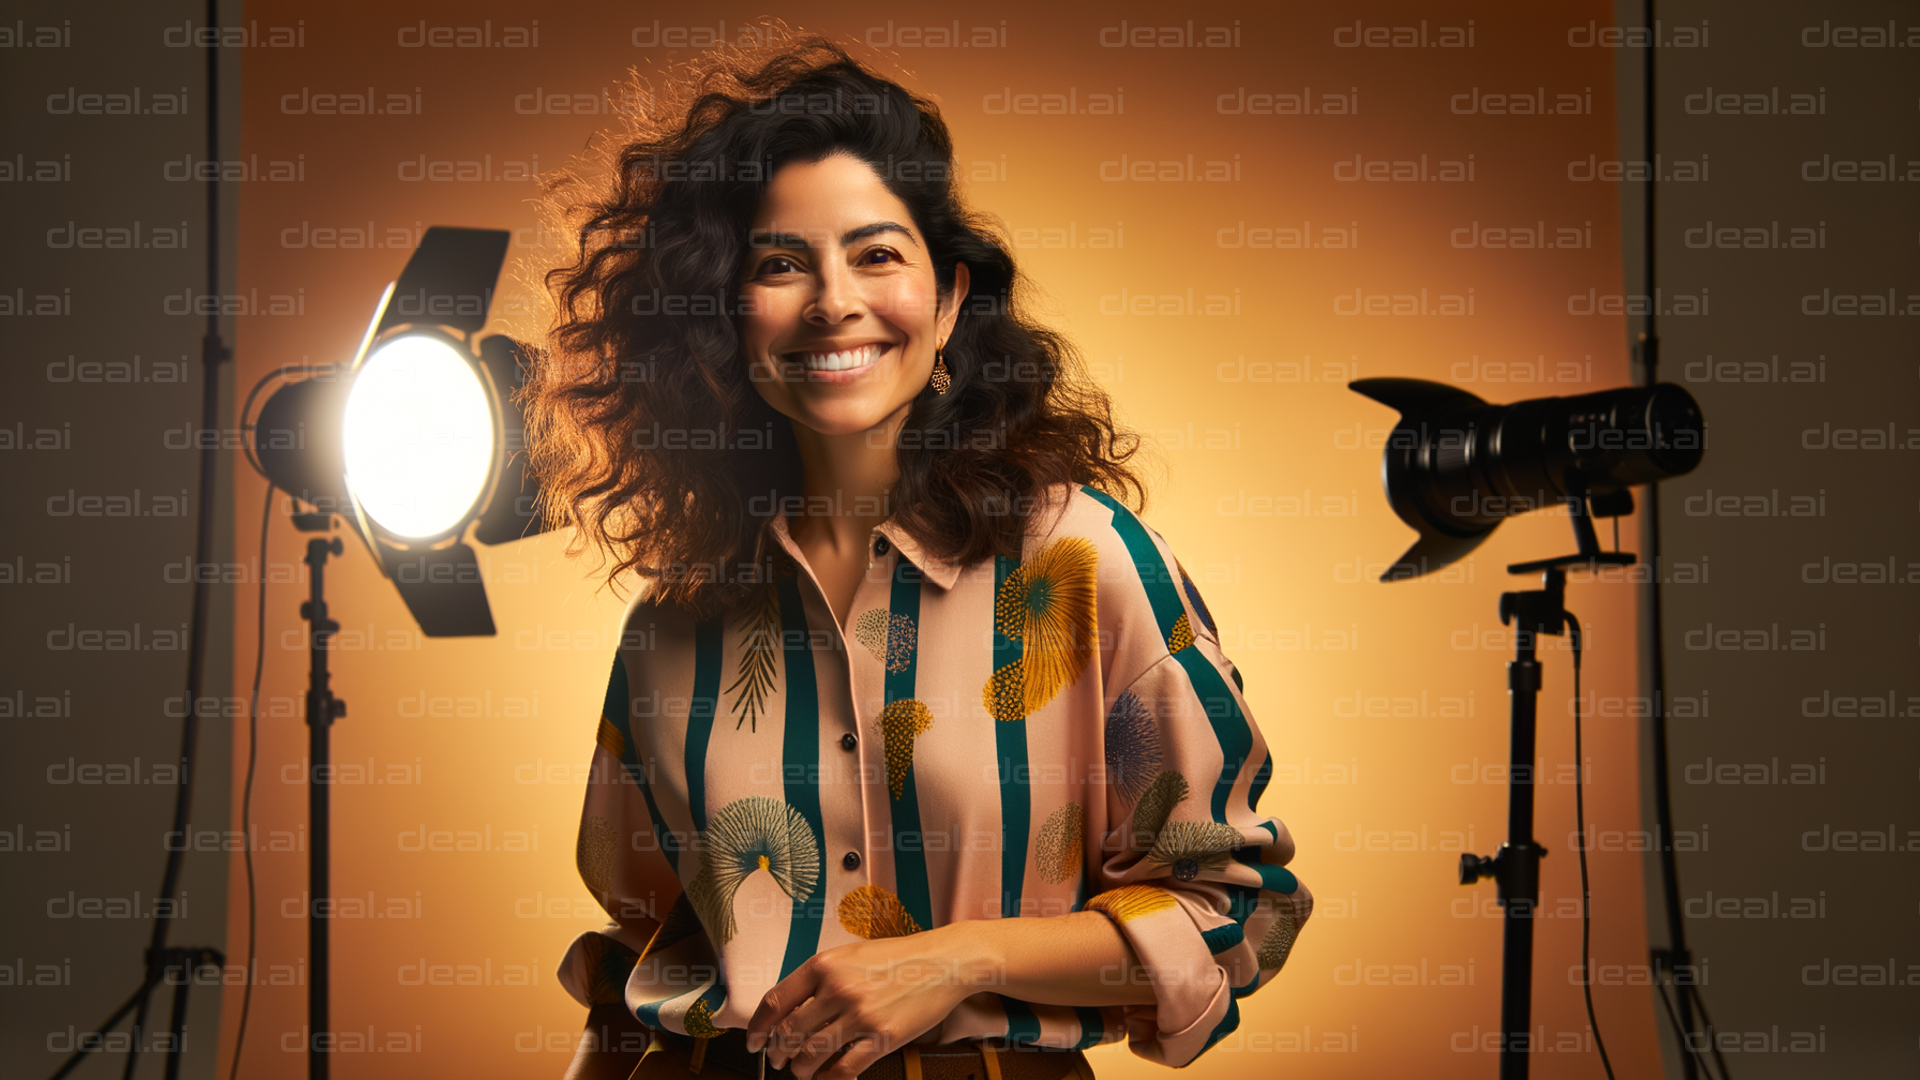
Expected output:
{"points": [[838, 297]]}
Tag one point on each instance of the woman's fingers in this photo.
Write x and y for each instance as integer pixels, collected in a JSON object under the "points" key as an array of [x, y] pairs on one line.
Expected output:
{"points": [[786, 996], [849, 1006], [862, 1051], [800, 1031], [821, 1043]]}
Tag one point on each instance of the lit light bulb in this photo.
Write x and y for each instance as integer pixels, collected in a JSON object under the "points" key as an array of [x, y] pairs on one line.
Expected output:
{"points": [[418, 436]]}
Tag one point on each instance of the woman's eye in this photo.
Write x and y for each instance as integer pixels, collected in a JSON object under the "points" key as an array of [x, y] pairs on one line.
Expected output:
{"points": [[778, 265], [879, 256]]}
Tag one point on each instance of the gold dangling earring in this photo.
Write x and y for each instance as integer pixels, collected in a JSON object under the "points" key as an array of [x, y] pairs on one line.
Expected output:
{"points": [[941, 381]]}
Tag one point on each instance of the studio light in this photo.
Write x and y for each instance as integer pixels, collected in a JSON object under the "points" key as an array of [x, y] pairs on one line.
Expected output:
{"points": [[415, 444], [1455, 466], [417, 440]]}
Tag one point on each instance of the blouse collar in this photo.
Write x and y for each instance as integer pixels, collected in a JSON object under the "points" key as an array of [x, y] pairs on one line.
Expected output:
{"points": [[938, 571]]}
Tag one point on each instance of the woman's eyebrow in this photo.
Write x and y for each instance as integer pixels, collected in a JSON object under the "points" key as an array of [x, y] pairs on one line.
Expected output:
{"points": [[778, 239], [848, 238], [794, 241]]}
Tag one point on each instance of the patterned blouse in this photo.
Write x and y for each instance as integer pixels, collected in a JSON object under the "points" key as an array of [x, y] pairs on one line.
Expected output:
{"points": [[1024, 737]]}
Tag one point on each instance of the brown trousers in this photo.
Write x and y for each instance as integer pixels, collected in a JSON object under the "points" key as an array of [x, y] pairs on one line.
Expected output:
{"points": [[677, 1057]]}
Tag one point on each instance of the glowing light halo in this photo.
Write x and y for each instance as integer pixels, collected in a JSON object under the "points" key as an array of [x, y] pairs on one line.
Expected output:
{"points": [[418, 436]]}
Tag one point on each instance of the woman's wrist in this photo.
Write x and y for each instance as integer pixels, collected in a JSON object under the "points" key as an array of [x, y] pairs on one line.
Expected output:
{"points": [[974, 949], [1055, 960]]}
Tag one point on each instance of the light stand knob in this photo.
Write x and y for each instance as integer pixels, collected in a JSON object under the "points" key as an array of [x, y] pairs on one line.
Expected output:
{"points": [[1475, 867]]}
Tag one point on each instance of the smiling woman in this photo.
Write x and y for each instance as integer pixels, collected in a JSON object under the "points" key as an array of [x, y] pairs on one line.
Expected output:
{"points": [[989, 780], [700, 249]]}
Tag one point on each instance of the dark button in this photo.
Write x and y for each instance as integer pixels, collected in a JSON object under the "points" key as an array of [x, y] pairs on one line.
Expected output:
{"points": [[849, 741], [851, 861], [881, 547]]}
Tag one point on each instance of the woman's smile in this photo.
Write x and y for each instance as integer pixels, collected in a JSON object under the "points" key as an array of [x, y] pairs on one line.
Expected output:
{"points": [[842, 363]]}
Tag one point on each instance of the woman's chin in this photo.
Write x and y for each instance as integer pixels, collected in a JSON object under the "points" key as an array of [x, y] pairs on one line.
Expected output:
{"points": [[839, 419]]}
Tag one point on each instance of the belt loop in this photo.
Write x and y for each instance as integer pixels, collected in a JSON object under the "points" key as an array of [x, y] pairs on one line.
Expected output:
{"points": [[699, 1056], [910, 1057], [989, 1059]]}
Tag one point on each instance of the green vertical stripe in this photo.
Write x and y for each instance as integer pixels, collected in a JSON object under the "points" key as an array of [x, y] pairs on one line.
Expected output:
{"points": [[909, 842], [617, 708], [715, 996], [708, 639], [1219, 939], [1277, 879], [1010, 741], [800, 764], [1154, 575], [1092, 1026], [1023, 1028], [1242, 902], [1230, 727], [1250, 856], [1261, 777], [618, 703]]}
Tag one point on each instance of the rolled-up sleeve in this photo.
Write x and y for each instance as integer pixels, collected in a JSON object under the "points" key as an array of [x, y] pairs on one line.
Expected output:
{"points": [[1190, 871]]}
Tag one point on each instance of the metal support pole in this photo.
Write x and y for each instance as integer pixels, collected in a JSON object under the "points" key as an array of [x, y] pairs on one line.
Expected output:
{"points": [[1515, 868], [322, 709]]}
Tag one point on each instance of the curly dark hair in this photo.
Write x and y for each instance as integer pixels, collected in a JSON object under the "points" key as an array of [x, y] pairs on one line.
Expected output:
{"points": [[645, 430]]}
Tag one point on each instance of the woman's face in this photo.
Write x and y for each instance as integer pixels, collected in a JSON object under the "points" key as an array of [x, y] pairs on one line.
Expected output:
{"points": [[842, 312]]}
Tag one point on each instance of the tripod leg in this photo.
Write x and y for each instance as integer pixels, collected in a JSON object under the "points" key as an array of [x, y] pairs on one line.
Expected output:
{"points": [[138, 997], [176, 1046], [140, 1020], [1685, 1001]]}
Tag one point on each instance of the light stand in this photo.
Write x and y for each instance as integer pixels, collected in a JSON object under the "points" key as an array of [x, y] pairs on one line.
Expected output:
{"points": [[1454, 467], [1515, 868], [162, 959], [1673, 965], [322, 710], [427, 411]]}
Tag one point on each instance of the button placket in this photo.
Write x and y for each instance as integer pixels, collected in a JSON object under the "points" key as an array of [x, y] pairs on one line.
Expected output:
{"points": [[849, 710], [878, 577]]}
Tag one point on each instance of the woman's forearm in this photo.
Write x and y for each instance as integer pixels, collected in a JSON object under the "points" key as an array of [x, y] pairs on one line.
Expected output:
{"points": [[1076, 959], [870, 997]]}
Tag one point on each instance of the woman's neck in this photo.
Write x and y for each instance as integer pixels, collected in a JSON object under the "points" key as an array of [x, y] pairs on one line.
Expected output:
{"points": [[848, 483]]}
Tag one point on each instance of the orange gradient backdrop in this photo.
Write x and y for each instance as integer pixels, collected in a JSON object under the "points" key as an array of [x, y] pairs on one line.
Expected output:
{"points": [[1226, 317]]}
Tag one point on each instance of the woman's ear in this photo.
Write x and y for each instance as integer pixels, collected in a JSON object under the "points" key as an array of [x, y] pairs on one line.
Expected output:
{"points": [[950, 304]]}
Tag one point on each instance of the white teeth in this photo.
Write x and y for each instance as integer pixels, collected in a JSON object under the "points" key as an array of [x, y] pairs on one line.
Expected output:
{"points": [[841, 361]]}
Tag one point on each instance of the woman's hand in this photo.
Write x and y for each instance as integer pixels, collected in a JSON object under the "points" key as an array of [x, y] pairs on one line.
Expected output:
{"points": [[867, 998], [870, 998]]}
